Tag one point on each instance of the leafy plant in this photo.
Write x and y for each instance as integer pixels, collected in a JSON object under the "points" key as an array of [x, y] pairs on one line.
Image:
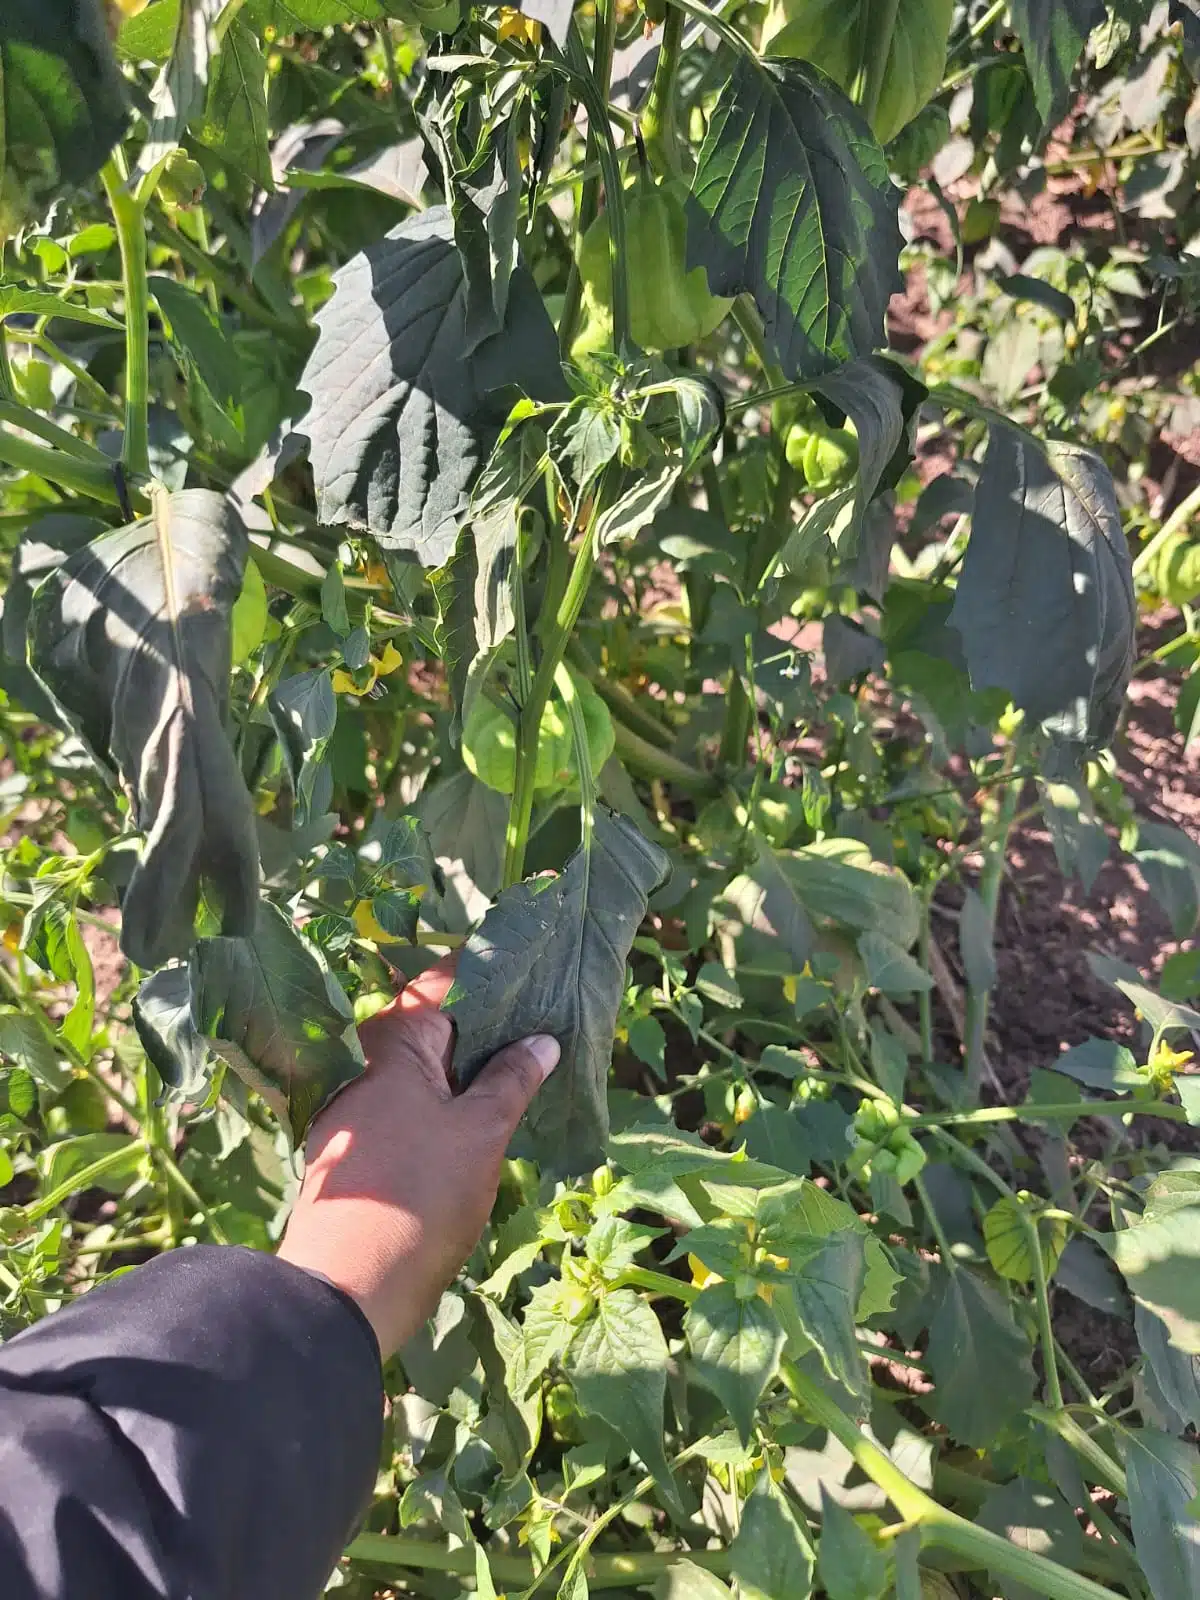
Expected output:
{"points": [[462, 493]]}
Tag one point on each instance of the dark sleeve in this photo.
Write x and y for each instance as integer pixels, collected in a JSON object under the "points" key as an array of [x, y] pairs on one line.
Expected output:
{"points": [[206, 1427]]}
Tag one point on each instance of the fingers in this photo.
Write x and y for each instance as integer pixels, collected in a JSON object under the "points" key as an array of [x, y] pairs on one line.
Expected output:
{"points": [[412, 1026], [501, 1093]]}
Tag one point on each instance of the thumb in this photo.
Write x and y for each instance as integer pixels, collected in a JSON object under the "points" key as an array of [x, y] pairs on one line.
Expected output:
{"points": [[501, 1093]]}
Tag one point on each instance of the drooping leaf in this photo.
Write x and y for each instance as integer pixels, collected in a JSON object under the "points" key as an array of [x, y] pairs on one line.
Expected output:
{"points": [[891, 969], [271, 1007], [1045, 602], [975, 942], [1163, 1483], [1054, 33], [46, 544], [162, 1015], [969, 1314], [735, 1344], [62, 98], [836, 879], [772, 1556], [303, 710], [549, 957], [850, 1565], [1081, 844], [199, 338], [873, 396], [400, 423], [465, 823], [792, 202], [765, 906], [618, 1364], [234, 122], [684, 1580], [132, 637], [841, 37]]}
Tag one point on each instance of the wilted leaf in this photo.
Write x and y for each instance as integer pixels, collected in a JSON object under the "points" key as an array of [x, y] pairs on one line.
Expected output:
{"points": [[975, 946], [132, 637], [465, 823], [736, 1344], [549, 957], [270, 1006], [970, 1315], [792, 202], [162, 1015], [1163, 1483], [891, 969], [771, 1556], [1173, 1373], [62, 99], [1045, 603], [199, 338], [400, 423], [1054, 33], [618, 1364]]}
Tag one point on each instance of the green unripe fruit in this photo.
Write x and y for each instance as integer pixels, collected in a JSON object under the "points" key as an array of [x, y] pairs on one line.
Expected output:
{"points": [[562, 1413], [489, 742], [670, 307], [827, 457]]}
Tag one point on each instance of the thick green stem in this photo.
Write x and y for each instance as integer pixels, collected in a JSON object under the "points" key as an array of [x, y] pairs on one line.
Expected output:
{"points": [[129, 217], [925, 998], [80, 477], [660, 128], [937, 1526], [608, 1571], [990, 879], [1068, 1111], [654, 762]]}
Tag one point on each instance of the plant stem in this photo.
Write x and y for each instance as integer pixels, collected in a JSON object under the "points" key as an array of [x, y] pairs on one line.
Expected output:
{"points": [[1175, 523], [990, 879], [129, 216], [1068, 1110], [660, 128], [1107, 1471], [33, 422], [654, 762], [68, 472], [925, 998], [984, 1550], [608, 1571], [770, 535]]}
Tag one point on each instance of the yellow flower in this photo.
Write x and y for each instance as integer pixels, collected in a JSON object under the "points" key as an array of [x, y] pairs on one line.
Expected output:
{"points": [[1165, 1061], [514, 26], [12, 937], [789, 990], [701, 1276], [367, 927], [381, 666]]}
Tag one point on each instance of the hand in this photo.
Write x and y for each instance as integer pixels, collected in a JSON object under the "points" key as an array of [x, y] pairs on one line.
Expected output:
{"points": [[401, 1175]]}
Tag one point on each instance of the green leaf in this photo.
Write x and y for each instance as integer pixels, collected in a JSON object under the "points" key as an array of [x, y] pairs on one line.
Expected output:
{"points": [[300, 16], [1173, 1373], [465, 823], [970, 1315], [162, 1015], [792, 203], [975, 942], [59, 1163], [62, 98], [842, 37], [303, 710], [234, 123], [618, 1364], [16, 299], [1101, 1064], [735, 1344], [1080, 843], [771, 1556], [270, 1006], [200, 339], [400, 423], [850, 1565], [180, 90], [1045, 602], [1170, 863], [1159, 1258], [1007, 1241], [764, 905], [549, 957], [837, 880], [1054, 33], [132, 637], [22, 1041], [871, 394], [1163, 1483], [684, 1580], [824, 1289], [890, 969], [1033, 1517]]}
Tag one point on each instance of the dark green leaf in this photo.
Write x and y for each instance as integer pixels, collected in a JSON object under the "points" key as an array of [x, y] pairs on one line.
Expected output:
{"points": [[771, 1556], [46, 545], [1032, 1516], [825, 1288], [891, 969], [735, 1344], [400, 423], [850, 1565], [549, 957], [792, 203], [780, 1138], [1174, 1373], [465, 822], [200, 339], [234, 123], [871, 394], [132, 637], [62, 99], [1080, 843], [685, 1580], [270, 1006], [303, 710], [1170, 863], [970, 1315], [1101, 1064], [22, 1041], [1045, 603], [1054, 33], [618, 1364], [1022, 287], [975, 946], [1163, 1483], [162, 1015]]}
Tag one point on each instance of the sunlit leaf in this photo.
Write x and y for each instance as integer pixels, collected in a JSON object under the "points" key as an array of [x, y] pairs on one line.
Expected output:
{"points": [[735, 1343], [618, 1364]]}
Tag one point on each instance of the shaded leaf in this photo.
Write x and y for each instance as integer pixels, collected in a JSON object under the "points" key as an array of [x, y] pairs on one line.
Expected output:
{"points": [[874, 396], [850, 1565], [180, 89], [1054, 33], [199, 337], [465, 823], [825, 1289], [792, 203], [735, 1344], [1045, 602], [1163, 1483], [234, 121], [618, 1364], [549, 957], [1081, 845], [969, 1314], [132, 637], [1032, 1516], [1101, 1064], [271, 1007], [303, 710], [1170, 863], [399, 423], [684, 1580], [975, 945], [162, 1015], [1174, 1373], [1159, 1258], [771, 1556], [891, 969]]}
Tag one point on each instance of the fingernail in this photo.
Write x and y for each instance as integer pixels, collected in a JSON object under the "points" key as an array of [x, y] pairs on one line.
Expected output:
{"points": [[544, 1051]]}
